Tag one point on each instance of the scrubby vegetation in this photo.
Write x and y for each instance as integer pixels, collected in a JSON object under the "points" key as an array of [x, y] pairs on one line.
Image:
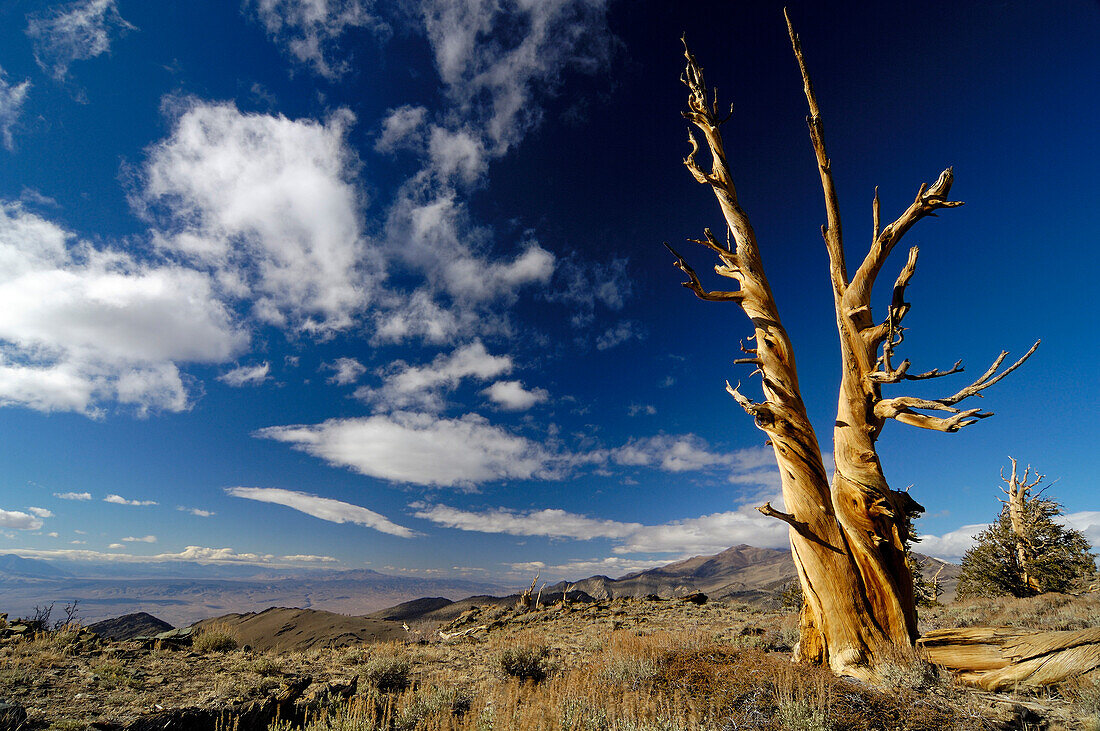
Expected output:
{"points": [[622, 665], [216, 638]]}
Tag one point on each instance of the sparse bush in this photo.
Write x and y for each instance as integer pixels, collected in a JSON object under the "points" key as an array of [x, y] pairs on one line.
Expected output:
{"points": [[266, 665], [627, 670], [1084, 692], [387, 672], [433, 704], [529, 662], [216, 637], [114, 674], [802, 709]]}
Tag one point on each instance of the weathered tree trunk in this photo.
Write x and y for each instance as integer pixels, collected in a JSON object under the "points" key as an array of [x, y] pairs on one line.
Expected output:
{"points": [[849, 539], [1019, 492]]}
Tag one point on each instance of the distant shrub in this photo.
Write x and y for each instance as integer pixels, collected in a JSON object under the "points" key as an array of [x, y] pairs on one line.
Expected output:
{"points": [[266, 665], [216, 637], [433, 704], [387, 673], [530, 662]]}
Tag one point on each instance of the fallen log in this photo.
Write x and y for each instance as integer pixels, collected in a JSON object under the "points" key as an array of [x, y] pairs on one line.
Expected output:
{"points": [[996, 658]]}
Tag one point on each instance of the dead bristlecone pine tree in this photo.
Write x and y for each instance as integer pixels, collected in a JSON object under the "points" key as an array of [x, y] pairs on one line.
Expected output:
{"points": [[1026, 551], [849, 538]]}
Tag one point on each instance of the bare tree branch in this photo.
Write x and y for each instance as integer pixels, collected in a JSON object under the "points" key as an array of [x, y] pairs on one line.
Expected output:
{"points": [[696, 286], [929, 199], [901, 408], [831, 231]]}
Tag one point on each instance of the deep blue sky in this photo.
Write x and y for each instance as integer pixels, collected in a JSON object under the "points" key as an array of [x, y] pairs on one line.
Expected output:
{"points": [[382, 284]]}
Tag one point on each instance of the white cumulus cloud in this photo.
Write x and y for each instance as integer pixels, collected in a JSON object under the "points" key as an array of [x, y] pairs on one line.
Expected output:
{"points": [[345, 371], [19, 521], [1086, 521], [268, 205], [512, 396], [81, 327], [334, 511], [141, 539], [41, 512], [421, 449], [951, 545], [74, 32]]}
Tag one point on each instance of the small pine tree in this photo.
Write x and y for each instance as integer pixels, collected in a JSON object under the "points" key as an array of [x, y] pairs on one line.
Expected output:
{"points": [[1057, 559]]}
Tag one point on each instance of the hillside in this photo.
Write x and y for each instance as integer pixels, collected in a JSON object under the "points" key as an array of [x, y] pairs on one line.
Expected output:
{"points": [[139, 624], [741, 573], [280, 629]]}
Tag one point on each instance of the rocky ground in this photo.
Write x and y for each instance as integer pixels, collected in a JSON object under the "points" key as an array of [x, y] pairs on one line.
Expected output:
{"points": [[616, 665]]}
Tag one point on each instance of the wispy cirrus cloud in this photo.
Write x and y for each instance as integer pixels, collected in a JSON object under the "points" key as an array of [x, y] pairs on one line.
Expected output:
{"points": [[310, 30], [406, 386], [618, 334], [334, 511], [246, 375], [12, 98], [549, 522], [195, 554], [690, 536], [119, 500], [613, 566], [73, 495], [74, 32], [196, 511]]}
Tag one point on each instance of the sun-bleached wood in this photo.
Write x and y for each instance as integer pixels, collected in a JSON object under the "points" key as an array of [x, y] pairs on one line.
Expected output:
{"points": [[848, 538], [997, 658]]}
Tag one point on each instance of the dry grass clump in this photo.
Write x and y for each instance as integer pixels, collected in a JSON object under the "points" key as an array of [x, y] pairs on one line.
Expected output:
{"points": [[526, 662], [388, 669], [216, 637], [1084, 693], [665, 681], [1049, 611]]}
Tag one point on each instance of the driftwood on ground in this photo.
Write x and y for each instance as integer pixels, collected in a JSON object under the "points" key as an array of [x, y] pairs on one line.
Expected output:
{"points": [[996, 658]]}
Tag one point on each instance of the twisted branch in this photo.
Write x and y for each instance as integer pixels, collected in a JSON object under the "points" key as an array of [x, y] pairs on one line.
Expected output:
{"points": [[901, 408]]}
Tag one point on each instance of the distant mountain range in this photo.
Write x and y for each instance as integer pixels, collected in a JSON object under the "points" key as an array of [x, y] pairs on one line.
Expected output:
{"points": [[185, 593], [743, 573]]}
